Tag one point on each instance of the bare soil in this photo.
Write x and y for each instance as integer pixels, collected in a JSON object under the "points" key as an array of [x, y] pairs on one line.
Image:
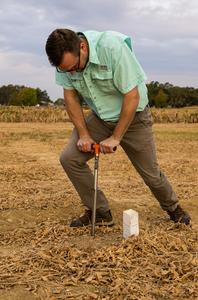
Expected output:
{"points": [[43, 258]]}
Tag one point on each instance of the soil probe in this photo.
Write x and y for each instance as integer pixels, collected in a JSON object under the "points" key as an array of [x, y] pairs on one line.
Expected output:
{"points": [[96, 149]]}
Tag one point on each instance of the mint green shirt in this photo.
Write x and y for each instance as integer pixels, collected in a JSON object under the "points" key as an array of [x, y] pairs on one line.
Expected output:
{"points": [[112, 71]]}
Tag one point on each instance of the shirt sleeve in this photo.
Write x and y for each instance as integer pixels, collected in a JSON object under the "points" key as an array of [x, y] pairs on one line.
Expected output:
{"points": [[127, 72], [64, 80]]}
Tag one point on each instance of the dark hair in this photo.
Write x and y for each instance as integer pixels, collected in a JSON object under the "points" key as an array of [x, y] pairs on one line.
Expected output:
{"points": [[60, 41]]}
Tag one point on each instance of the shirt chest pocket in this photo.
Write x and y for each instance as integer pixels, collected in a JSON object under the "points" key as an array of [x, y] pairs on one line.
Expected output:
{"points": [[103, 80]]}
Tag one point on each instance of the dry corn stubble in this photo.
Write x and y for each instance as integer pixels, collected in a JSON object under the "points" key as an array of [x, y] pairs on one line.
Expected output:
{"points": [[57, 114]]}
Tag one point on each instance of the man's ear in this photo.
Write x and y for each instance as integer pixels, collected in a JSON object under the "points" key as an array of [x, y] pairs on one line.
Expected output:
{"points": [[83, 45]]}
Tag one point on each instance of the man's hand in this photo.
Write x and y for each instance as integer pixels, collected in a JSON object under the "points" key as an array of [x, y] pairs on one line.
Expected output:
{"points": [[108, 145], [84, 143]]}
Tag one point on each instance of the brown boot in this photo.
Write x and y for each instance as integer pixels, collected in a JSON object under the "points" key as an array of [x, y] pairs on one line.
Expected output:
{"points": [[102, 219], [179, 215]]}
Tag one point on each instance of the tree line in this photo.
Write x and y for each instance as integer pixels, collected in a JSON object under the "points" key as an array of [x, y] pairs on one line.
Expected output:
{"points": [[20, 95], [160, 95], [168, 95]]}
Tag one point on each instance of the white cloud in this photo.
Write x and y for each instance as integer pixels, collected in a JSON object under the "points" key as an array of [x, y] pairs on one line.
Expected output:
{"points": [[177, 79], [30, 70], [164, 32], [173, 8]]}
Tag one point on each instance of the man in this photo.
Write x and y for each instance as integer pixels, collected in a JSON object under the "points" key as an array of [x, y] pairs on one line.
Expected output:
{"points": [[102, 67]]}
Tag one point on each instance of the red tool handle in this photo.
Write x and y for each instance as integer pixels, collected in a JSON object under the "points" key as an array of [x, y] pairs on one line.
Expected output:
{"points": [[96, 148]]}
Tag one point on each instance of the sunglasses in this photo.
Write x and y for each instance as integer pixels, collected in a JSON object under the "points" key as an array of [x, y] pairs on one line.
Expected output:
{"points": [[75, 68]]}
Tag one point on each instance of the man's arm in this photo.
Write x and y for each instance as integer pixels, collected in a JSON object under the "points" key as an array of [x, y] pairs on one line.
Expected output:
{"points": [[75, 112], [129, 106]]}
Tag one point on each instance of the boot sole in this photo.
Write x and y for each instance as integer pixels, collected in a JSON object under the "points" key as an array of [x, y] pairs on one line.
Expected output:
{"points": [[103, 223]]}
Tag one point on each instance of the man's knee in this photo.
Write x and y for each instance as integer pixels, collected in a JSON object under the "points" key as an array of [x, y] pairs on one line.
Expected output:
{"points": [[71, 158], [66, 158], [63, 158]]}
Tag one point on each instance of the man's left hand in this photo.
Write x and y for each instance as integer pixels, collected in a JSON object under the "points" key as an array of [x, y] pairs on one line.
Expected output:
{"points": [[108, 145]]}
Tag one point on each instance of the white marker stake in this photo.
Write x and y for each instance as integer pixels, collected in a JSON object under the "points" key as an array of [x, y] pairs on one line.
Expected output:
{"points": [[130, 223]]}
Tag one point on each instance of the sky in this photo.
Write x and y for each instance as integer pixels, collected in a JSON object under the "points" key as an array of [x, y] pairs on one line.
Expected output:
{"points": [[164, 34]]}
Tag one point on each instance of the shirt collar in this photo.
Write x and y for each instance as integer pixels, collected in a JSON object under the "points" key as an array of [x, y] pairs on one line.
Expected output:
{"points": [[93, 57]]}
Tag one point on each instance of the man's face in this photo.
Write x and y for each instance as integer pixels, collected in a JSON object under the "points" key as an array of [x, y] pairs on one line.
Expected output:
{"points": [[72, 62]]}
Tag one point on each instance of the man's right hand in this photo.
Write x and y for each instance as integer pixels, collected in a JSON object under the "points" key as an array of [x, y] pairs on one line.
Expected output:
{"points": [[84, 143]]}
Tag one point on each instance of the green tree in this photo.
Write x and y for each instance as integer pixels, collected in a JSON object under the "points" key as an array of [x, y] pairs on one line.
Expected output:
{"points": [[161, 99], [59, 101], [26, 96], [8, 92], [153, 88], [42, 97], [9, 95]]}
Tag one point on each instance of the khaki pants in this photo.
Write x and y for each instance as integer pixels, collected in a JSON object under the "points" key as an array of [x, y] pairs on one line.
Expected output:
{"points": [[138, 143]]}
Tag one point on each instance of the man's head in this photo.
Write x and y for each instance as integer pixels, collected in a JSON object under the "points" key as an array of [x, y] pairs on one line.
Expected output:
{"points": [[66, 50]]}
